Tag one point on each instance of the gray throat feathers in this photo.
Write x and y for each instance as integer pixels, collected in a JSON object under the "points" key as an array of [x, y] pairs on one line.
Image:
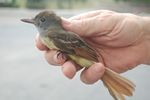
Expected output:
{"points": [[49, 31]]}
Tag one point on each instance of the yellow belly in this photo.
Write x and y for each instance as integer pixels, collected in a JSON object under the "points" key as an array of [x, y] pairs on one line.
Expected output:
{"points": [[81, 61], [48, 43], [77, 59]]}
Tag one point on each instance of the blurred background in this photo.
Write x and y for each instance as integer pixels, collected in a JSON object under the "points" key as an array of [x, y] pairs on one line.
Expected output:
{"points": [[24, 73]]}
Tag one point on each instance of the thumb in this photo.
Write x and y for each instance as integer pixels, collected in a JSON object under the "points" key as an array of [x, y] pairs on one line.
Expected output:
{"points": [[83, 27]]}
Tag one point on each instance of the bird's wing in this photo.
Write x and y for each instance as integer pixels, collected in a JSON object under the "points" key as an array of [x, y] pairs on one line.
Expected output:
{"points": [[73, 44]]}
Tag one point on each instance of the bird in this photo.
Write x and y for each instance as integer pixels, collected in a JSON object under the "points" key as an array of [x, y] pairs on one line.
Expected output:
{"points": [[75, 48]]}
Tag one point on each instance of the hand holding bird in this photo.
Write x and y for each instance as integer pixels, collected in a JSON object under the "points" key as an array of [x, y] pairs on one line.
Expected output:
{"points": [[120, 53], [106, 40]]}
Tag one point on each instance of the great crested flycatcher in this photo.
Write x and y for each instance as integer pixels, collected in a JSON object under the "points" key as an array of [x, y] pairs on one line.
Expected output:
{"points": [[75, 48]]}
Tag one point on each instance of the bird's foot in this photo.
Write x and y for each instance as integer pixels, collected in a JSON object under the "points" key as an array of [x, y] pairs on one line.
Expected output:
{"points": [[62, 57]]}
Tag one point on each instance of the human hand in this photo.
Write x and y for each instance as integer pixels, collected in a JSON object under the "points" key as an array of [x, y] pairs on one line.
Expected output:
{"points": [[118, 38]]}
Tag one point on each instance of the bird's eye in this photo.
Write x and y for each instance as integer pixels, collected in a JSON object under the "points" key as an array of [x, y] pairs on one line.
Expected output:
{"points": [[42, 19]]}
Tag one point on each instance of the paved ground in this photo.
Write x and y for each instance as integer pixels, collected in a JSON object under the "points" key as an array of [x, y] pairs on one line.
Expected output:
{"points": [[25, 75]]}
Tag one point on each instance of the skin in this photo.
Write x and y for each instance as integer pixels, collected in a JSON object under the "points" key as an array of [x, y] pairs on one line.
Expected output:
{"points": [[121, 39]]}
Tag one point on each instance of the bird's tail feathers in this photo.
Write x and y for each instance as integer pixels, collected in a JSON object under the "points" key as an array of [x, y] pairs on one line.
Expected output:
{"points": [[118, 86]]}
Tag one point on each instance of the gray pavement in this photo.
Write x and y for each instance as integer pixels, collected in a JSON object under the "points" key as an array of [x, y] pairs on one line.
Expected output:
{"points": [[25, 75]]}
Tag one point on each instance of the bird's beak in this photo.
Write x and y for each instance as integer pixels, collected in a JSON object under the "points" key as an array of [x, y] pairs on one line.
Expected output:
{"points": [[31, 21]]}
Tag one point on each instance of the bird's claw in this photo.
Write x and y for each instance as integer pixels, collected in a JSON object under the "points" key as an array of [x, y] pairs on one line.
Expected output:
{"points": [[61, 56]]}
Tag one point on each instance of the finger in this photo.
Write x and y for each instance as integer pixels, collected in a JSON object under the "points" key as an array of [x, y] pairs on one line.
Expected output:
{"points": [[86, 15], [83, 27], [101, 24], [54, 58], [93, 74], [89, 14], [69, 69], [39, 43]]}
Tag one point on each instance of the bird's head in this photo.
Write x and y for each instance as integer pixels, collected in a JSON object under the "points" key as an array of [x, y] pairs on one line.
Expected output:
{"points": [[45, 20]]}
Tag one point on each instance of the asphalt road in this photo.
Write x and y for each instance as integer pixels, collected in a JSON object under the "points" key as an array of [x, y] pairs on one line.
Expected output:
{"points": [[25, 75]]}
